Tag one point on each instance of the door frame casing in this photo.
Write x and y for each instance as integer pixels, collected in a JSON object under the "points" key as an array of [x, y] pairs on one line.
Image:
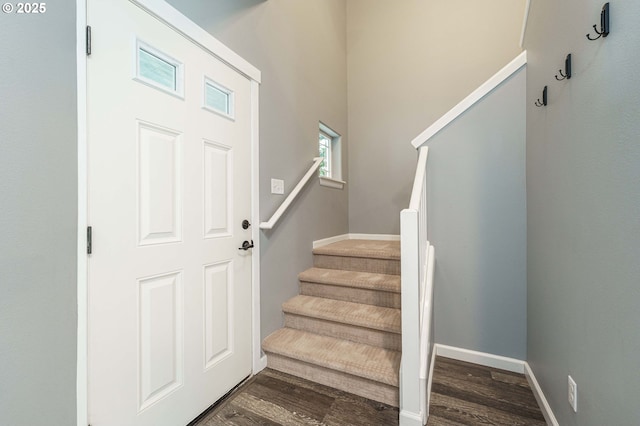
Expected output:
{"points": [[171, 17]]}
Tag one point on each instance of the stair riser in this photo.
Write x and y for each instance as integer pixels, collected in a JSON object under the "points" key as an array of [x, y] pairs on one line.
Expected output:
{"points": [[382, 339], [346, 382], [360, 264], [348, 294]]}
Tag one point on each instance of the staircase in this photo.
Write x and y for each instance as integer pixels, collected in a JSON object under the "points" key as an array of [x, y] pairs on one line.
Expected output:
{"points": [[343, 330]]}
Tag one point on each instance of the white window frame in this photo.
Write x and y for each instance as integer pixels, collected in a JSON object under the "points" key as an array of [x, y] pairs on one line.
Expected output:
{"points": [[334, 180], [220, 87], [179, 66], [329, 149]]}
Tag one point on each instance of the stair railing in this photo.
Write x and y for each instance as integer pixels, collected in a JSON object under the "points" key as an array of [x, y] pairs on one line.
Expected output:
{"points": [[292, 196], [417, 266]]}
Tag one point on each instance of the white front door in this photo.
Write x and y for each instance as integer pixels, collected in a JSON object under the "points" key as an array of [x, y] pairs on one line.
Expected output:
{"points": [[169, 134]]}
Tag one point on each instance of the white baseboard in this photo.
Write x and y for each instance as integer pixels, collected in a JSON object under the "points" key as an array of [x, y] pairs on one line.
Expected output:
{"points": [[260, 364], [331, 240], [408, 418], [430, 378], [381, 237], [481, 358], [540, 398]]}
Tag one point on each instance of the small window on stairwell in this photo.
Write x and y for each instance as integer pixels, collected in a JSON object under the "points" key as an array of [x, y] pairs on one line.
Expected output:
{"points": [[325, 153], [329, 148]]}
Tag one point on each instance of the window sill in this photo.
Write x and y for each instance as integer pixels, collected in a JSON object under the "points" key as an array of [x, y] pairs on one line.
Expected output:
{"points": [[332, 183]]}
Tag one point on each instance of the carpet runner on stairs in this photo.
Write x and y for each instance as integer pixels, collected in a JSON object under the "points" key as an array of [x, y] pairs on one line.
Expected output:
{"points": [[343, 330]]}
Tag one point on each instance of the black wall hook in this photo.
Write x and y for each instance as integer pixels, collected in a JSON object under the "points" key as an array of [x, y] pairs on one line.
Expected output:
{"points": [[604, 23], [539, 103], [566, 75]]}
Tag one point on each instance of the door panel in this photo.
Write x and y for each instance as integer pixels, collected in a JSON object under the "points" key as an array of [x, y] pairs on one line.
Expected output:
{"points": [[218, 189], [160, 189], [160, 363], [218, 307]]}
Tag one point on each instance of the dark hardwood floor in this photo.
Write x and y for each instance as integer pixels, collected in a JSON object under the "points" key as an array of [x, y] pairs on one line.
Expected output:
{"points": [[274, 398], [461, 394], [470, 394]]}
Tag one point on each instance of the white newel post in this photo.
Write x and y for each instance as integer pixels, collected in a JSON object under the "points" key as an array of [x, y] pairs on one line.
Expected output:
{"points": [[410, 414]]}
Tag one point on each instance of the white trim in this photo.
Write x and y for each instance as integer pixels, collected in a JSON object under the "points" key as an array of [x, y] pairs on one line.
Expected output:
{"points": [[525, 21], [486, 87], [481, 358], [335, 157], [292, 195], [540, 398], [409, 418], [380, 237], [326, 241], [261, 364], [331, 183], [426, 339], [259, 360], [82, 368], [419, 180], [430, 379], [410, 384], [170, 16], [328, 130]]}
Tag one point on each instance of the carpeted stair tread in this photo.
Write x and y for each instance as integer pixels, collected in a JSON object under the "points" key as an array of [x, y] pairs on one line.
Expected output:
{"points": [[374, 249], [369, 362], [355, 279], [358, 314]]}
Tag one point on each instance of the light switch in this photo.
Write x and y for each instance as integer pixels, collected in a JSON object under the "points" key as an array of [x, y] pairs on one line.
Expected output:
{"points": [[277, 186]]}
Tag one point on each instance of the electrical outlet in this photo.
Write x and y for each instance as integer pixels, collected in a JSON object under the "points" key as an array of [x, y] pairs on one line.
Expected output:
{"points": [[277, 186], [573, 394]]}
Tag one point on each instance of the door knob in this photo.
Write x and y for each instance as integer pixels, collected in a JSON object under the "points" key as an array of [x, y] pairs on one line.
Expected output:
{"points": [[246, 245]]}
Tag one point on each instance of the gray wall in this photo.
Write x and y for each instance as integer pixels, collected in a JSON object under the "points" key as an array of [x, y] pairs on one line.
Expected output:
{"points": [[409, 62], [38, 203], [583, 205], [300, 47], [477, 224]]}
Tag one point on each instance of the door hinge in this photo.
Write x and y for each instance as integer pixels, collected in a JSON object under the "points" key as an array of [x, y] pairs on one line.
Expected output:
{"points": [[88, 40], [89, 240]]}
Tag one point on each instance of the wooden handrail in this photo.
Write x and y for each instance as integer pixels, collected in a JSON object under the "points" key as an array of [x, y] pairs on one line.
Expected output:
{"points": [[287, 202]]}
